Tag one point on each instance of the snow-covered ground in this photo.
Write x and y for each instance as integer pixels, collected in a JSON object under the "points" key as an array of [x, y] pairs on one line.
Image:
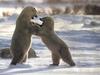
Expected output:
{"points": [[82, 38]]}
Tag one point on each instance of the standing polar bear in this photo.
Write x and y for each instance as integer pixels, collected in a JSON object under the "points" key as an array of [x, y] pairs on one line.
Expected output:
{"points": [[21, 40], [58, 48]]}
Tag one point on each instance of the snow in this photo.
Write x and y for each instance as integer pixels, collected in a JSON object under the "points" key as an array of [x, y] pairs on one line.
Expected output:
{"points": [[83, 42]]}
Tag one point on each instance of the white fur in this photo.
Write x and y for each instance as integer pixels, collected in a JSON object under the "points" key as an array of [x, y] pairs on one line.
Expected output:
{"points": [[36, 20]]}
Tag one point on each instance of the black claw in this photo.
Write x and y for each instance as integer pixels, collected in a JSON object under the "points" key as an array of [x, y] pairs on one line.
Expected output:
{"points": [[73, 64], [53, 64]]}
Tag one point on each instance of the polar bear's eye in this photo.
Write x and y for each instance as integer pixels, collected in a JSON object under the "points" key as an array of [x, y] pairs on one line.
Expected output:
{"points": [[36, 20], [35, 16], [32, 17]]}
